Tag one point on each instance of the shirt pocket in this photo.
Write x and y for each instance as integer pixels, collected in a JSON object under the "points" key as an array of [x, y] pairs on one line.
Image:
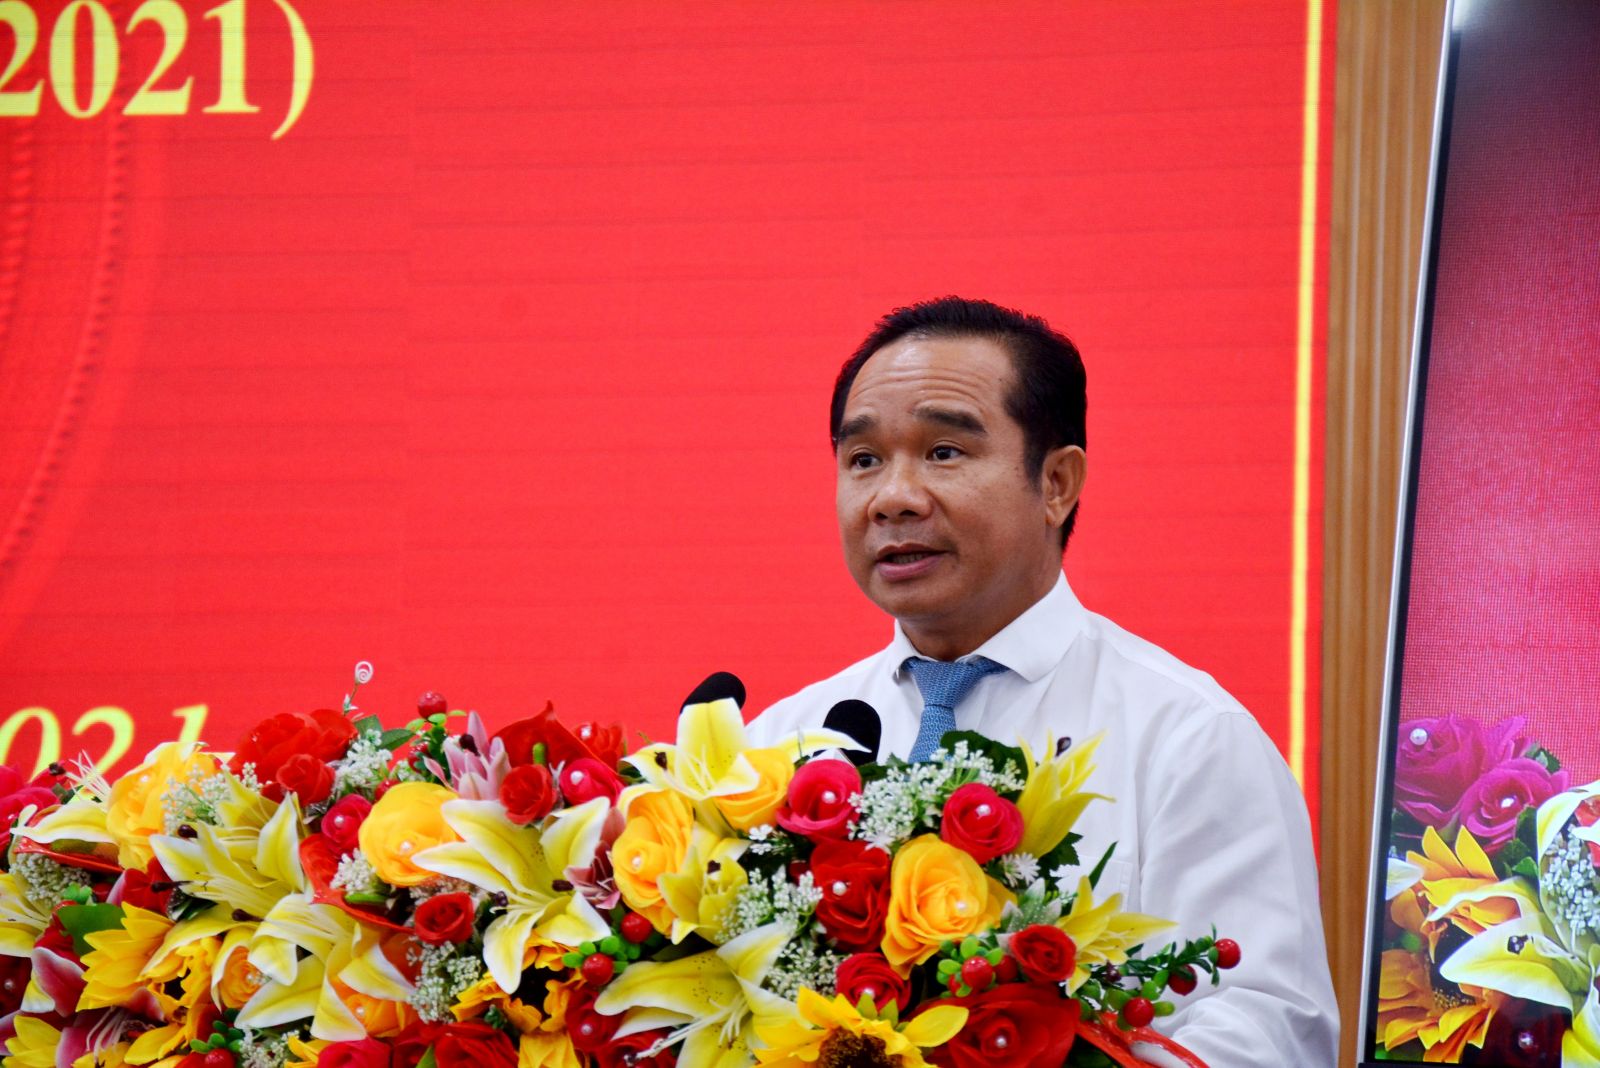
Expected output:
{"points": [[1117, 878]]}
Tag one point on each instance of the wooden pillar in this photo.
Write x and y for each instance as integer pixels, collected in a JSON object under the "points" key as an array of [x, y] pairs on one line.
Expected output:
{"points": [[1386, 78]]}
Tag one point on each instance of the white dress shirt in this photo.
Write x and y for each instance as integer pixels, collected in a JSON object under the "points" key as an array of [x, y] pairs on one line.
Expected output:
{"points": [[1209, 823]]}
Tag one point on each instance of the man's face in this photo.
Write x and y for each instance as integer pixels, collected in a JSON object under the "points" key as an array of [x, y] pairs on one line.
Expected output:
{"points": [[942, 527]]}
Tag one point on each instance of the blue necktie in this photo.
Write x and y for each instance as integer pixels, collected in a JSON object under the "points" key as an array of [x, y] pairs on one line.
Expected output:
{"points": [[943, 686]]}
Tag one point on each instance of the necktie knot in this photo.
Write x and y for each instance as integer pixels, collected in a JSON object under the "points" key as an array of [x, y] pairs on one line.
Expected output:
{"points": [[943, 685]]}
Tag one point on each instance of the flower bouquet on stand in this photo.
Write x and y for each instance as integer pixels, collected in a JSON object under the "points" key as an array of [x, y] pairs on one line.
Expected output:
{"points": [[336, 893], [1491, 941]]}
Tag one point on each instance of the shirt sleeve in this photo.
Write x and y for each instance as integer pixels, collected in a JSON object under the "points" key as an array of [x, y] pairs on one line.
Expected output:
{"points": [[1225, 840]]}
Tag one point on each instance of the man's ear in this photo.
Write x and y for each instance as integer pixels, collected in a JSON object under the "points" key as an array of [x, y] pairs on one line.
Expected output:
{"points": [[1061, 481]]}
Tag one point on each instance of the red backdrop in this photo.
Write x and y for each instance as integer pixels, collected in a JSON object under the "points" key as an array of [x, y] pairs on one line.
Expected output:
{"points": [[505, 366]]}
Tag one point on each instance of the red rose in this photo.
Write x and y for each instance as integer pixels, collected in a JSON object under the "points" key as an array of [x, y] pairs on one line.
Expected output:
{"points": [[819, 805], [341, 824], [981, 822], [1012, 1024], [604, 741], [854, 880], [589, 1030], [1045, 953], [323, 734], [528, 793], [17, 794], [367, 1053], [586, 778], [411, 1044], [446, 918], [473, 1045], [871, 975], [308, 777], [624, 1052]]}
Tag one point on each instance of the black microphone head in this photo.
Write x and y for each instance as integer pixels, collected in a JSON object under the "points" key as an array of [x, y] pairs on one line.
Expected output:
{"points": [[718, 685], [860, 721]]}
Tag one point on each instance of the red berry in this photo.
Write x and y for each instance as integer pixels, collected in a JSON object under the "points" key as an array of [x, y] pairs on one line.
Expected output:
{"points": [[955, 983], [384, 787], [430, 703], [635, 928], [217, 1058], [977, 973], [1009, 970], [1182, 981], [1227, 953], [1138, 1012], [597, 969]]}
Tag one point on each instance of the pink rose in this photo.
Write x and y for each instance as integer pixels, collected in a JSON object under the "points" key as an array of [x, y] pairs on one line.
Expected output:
{"points": [[819, 805], [1490, 807], [1440, 757], [981, 822]]}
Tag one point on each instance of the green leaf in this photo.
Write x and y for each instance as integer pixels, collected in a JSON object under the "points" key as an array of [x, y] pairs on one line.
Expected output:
{"points": [[79, 921], [394, 739], [368, 725], [1512, 853], [1527, 868], [428, 1060], [1547, 758]]}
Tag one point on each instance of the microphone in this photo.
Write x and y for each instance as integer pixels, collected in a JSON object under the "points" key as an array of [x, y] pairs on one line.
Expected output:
{"points": [[860, 721], [718, 685]]}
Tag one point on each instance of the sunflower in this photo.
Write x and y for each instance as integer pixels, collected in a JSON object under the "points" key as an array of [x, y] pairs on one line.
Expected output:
{"points": [[837, 1034], [1411, 1007]]}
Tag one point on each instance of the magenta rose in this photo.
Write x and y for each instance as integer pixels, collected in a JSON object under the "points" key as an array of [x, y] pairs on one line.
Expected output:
{"points": [[1490, 807], [586, 778], [981, 822], [1440, 757], [16, 794], [819, 802], [341, 824]]}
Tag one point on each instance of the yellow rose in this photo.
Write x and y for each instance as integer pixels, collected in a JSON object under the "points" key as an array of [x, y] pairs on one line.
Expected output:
{"points": [[759, 805], [937, 893], [654, 843], [134, 811], [404, 822]]}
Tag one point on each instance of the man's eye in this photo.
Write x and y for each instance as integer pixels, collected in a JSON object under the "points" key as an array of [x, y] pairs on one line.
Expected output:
{"points": [[863, 460], [945, 452]]}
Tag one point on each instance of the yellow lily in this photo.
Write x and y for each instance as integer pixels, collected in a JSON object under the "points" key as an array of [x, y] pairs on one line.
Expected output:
{"points": [[709, 759], [710, 1000], [1103, 933], [1054, 796], [22, 921], [837, 1032], [498, 855], [703, 888], [1521, 959], [1580, 1046], [341, 952]]}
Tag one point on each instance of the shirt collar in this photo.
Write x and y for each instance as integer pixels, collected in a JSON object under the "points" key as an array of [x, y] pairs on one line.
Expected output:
{"points": [[1030, 645]]}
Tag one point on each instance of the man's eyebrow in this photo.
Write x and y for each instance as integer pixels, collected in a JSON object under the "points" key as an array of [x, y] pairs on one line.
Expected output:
{"points": [[955, 420], [861, 424]]}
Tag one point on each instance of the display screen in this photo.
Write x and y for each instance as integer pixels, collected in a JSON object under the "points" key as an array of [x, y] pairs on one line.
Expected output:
{"points": [[1485, 927], [492, 342]]}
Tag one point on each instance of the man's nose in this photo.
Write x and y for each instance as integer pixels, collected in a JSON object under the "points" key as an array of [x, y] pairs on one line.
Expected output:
{"points": [[901, 493]]}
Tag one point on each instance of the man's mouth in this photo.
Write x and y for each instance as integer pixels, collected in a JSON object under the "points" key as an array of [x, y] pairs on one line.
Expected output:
{"points": [[908, 557]]}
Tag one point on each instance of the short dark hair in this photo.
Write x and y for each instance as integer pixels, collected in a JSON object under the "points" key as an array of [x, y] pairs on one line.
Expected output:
{"points": [[1048, 399]]}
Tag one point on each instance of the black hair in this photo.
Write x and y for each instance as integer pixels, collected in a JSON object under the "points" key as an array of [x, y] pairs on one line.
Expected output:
{"points": [[1048, 398]]}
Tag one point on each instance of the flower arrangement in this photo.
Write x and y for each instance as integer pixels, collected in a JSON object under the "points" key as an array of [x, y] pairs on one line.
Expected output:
{"points": [[343, 895], [1491, 941]]}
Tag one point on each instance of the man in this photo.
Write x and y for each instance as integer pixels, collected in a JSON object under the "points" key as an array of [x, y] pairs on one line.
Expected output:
{"points": [[958, 432]]}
